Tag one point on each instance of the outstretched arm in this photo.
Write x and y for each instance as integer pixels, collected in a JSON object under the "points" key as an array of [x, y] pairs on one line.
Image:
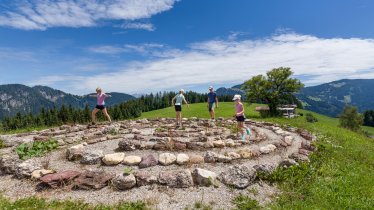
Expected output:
{"points": [[92, 96], [216, 102], [185, 102], [107, 95]]}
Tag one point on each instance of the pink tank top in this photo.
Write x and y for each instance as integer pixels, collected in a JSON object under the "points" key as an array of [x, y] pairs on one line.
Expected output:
{"points": [[100, 99], [239, 108]]}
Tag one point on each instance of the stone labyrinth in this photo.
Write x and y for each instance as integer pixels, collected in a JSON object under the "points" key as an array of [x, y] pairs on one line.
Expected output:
{"points": [[155, 158]]}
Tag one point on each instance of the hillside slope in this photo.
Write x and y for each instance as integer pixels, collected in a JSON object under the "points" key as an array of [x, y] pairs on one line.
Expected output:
{"points": [[330, 98]]}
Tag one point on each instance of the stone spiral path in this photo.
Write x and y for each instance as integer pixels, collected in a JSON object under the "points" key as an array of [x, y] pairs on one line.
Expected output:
{"points": [[151, 160]]}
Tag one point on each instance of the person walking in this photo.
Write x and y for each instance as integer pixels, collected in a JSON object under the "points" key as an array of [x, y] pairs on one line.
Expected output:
{"points": [[177, 102], [212, 102], [240, 116], [100, 105]]}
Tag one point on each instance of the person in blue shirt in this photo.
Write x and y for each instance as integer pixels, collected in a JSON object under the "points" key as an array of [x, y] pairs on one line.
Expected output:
{"points": [[212, 102]]}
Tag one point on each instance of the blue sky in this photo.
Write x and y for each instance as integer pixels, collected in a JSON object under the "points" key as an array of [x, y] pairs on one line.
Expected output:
{"points": [[136, 46]]}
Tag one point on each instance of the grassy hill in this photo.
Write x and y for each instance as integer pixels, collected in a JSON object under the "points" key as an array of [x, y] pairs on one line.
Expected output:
{"points": [[341, 172]]}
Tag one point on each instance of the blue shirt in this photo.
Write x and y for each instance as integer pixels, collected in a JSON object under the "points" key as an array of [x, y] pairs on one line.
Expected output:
{"points": [[212, 97]]}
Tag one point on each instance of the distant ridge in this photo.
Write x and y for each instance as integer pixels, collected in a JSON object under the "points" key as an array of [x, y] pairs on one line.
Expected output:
{"points": [[21, 98], [329, 98]]}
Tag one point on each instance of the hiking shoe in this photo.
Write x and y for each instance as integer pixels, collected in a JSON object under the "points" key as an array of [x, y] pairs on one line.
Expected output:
{"points": [[248, 131]]}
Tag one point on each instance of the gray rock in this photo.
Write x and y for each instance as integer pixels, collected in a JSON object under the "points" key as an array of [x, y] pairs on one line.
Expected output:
{"points": [[75, 152], [223, 159], [145, 178], [148, 161], [177, 179], [92, 157], [122, 182], [238, 176], [204, 177], [210, 157], [264, 168], [25, 169], [8, 163], [299, 157], [129, 145], [287, 163]]}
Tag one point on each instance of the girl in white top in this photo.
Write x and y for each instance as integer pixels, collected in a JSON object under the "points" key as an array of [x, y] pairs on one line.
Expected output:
{"points": [[179, 99]]}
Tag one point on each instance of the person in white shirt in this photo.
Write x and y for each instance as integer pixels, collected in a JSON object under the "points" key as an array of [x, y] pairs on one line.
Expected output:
{"points": [[177, 102]]}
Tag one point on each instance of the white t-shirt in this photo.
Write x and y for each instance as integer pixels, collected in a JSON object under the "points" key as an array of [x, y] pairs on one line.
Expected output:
{"points": [[179, 99]]}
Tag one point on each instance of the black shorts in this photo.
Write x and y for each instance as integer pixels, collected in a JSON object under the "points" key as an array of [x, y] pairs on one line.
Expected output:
{"points": [[178, 108], [240, 118], [101, 107]]}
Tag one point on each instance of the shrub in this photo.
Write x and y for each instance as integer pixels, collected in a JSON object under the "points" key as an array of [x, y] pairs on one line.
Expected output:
{"points": [[351, 119], [127, 171], [310, 118], [38, 148]]}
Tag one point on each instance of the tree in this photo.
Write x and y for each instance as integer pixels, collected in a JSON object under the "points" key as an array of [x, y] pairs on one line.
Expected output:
{"points": [[351, 119], [275, 87], [369, 118]]}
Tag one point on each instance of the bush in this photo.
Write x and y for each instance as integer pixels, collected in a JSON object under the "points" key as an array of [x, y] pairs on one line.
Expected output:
{"points": [[351, 119], [310, 118], [38, 148]]}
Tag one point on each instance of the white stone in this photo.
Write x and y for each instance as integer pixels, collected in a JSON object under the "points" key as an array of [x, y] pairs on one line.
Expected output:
{"points": [[75, 152], [230, 143], [219, 144], [113, 159], [233, 155], [288, 140], [167, 159], [182, 159], [132, 160], [267, 149], [37, 174]]}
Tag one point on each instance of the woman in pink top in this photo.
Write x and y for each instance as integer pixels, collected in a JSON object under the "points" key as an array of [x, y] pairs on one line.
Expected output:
{"points": [[100, 105], [240, 117]]}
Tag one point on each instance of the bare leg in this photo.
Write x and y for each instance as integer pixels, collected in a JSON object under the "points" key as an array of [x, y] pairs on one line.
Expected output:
{"points": [[107, 115], [93, 115], [180, 118], [241, 126], [177, 117]]}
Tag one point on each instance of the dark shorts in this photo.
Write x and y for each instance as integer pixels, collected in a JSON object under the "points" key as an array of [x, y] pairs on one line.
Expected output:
{"points": [[211, 106], [101, 107], [178, 108], [240, 118]]}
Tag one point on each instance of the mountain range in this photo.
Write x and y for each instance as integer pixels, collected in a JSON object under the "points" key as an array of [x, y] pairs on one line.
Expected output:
{"points": [[21, 98], [329, 98]]}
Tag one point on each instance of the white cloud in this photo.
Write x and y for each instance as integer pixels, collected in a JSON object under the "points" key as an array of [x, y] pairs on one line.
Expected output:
{"points": [[146, 49], [43, 14], [106, 49], [135, 25], [314, 60]]}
